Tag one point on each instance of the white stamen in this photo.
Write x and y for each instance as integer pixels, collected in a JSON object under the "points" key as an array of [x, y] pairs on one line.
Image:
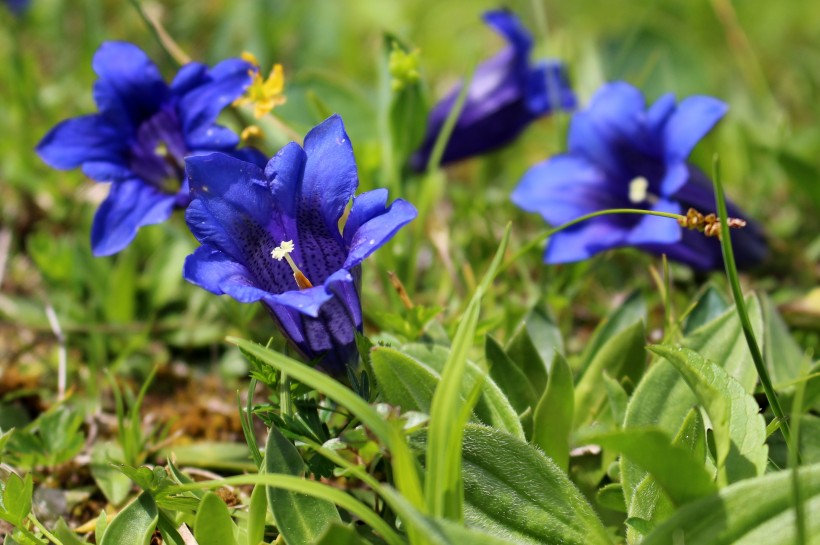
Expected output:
{"points": [[637, 189], [282, 250]]}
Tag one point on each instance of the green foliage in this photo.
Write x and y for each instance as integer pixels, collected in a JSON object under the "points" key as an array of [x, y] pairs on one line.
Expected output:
{"points": [[134, 524], [300, 519], [740, 431], [53, 438], [16, 496], [552, 420], [213, 525]]}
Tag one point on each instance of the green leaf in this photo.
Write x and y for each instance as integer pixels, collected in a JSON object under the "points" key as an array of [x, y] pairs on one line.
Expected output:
{"points": [[419, 363], [632, 310], [740, 430], [618, 399], [621, 356], [169, 530], [509, 377], [709, 304], [513, 491], [17, 499], [552, 421], [532, 347], [135, 524], [213, 525], [749, 512], [100, 527], [404, 382], [300, 519], [339, 534], [66, 535], [662, 399], [443, 488], [256, 515], [683, 477], [781, 353], [114, 485], [611, 496]]}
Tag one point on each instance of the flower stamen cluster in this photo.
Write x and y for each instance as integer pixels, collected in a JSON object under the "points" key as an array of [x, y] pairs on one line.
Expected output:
{"points": [[283, 250], [708, 224], [263, 93]]}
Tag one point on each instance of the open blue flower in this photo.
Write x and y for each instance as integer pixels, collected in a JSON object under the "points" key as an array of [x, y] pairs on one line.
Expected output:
{"points": [[247, 219], [505, 95], [142, 133], [622, 155]]}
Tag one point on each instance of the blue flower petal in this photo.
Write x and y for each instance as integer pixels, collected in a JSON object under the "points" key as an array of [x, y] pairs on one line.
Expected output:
{"points": [[87, 138], [614, 115], [216, 272], [584, 241], [693, 119], [200, 107], [189, 77], [130, 205], [548, 88], [330, 176], [563, 188], [233, 211], [104, 171], [509, 26], [130, 87], [374, 225]]}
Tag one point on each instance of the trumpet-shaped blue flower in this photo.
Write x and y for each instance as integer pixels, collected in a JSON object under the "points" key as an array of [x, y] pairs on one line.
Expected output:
{"points": [[623, 155], [141, 135], [249, 219], [506, 94]]}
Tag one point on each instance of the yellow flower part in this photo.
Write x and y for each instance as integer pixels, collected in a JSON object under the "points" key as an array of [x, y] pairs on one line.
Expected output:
{"points": [[264, 94], [250, 132]]}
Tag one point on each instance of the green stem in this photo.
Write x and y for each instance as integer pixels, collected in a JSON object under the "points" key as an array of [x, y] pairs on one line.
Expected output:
{"points": [[610, 211], [152, 26], [51, 537], [740, 305]]}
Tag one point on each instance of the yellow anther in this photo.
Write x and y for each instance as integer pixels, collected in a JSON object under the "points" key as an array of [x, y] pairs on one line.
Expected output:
{"points": [[250, 132], [283, 251], [264, 94], [247, 56]]}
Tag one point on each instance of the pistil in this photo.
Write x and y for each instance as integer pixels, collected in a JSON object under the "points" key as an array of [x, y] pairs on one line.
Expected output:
{"points": [[283, 251]]}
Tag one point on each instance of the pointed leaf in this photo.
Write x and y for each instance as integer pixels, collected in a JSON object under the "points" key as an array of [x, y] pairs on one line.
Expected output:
{"points": [[514, 492], [622, 356], [134, 524], [301, 519], [509, 377], [552, 421], [740, 431], [749, 512], [213, 525]]}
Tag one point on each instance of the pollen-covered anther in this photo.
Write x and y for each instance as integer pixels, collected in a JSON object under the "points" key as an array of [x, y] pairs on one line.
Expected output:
{"points": [[283, 251], [709, 224]]}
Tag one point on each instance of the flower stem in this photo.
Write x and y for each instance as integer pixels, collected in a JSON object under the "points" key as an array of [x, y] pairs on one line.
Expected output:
{"points": [[740, 305], [610, 211], [171, 48], [43, 529]]}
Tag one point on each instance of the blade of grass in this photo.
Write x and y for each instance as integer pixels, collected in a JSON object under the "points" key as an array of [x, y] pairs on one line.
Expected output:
{"points": [[303, 486], [740, 304], [444, 492]]}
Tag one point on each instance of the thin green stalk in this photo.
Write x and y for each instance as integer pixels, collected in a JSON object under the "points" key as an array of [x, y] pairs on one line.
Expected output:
{"points": [[51, 537], [794, 465], [740, 305], [177, 57], [610, 211]]}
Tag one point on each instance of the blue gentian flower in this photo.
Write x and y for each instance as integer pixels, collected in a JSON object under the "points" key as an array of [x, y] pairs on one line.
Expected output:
{"points": [[505, 95], [248, 219], [623, 155], [141, 135]]}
